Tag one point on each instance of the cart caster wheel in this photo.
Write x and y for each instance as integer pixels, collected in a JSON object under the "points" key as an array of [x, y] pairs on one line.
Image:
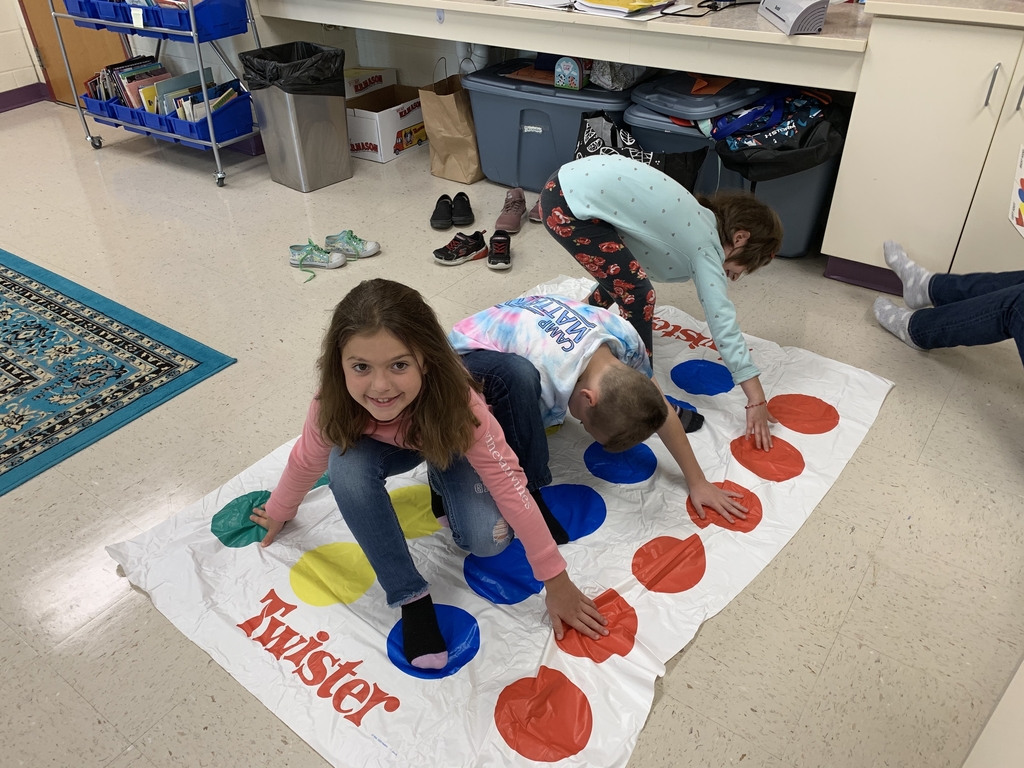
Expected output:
{"points": [[96, 142], [220, 181]]}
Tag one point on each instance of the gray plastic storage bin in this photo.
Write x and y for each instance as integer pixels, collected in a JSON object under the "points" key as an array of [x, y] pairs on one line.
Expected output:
{"points": [[526, 131], [671, 95], [798, 199]]}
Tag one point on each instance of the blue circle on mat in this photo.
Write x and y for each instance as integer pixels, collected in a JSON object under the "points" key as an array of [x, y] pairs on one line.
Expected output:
{"points": [[632, 466], [702, 377], [579, 508], [505, 579], [680, 403], [461, 635]]}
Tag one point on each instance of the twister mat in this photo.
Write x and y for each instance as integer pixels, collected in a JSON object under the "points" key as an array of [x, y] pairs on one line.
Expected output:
{"points": [[303, 625]]}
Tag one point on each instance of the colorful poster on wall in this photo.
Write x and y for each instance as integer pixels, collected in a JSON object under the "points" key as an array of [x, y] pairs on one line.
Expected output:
{"points": [[1017, 194]]}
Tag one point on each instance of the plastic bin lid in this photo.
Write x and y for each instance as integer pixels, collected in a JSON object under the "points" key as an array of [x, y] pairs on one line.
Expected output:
{"points": [[492, 81], [671, 96], [642, 117]]}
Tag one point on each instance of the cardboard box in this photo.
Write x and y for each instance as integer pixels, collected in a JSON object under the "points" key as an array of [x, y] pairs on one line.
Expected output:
{"points": [[385, 123], [362, 80]]}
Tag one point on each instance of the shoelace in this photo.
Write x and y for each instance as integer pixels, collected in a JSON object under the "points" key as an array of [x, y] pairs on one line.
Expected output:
{"points": [[458, 240], [312, 249], [349, 238], [499, 247], [513, 205]]}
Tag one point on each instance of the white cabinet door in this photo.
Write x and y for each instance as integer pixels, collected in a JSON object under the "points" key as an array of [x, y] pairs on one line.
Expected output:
{"points": [[918, 137], [990, 242]]}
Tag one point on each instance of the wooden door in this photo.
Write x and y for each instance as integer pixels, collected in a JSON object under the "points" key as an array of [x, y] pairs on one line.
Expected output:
{"points": [[918, 138], [88, 50], [990, 242]]}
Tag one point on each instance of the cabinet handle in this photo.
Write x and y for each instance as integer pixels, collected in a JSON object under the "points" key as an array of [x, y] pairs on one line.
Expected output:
{"points": [[992, 84], [1020, 99]]}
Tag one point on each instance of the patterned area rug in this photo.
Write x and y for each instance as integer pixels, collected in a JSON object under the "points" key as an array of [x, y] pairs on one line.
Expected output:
{"points": [[75, 366]]}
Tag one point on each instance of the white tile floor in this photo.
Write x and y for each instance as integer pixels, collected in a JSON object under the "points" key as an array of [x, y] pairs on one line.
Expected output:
{"points": [[883, 635]]}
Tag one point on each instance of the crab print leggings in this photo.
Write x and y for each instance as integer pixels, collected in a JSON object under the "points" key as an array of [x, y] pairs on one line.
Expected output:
{"points": [[598, 247]]}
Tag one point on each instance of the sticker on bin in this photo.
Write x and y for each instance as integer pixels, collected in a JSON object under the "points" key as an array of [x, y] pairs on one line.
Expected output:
{"points": [[533, 129]]}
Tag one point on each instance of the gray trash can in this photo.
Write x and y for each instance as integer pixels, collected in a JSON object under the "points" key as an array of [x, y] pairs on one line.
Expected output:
{"points": [[298, 90]]}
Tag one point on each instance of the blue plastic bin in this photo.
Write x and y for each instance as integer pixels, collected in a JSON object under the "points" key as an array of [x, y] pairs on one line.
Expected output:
{"points": [[799, 199], [85, 9], [526, 131], [231, 120], [215, 19], [113, 11]]}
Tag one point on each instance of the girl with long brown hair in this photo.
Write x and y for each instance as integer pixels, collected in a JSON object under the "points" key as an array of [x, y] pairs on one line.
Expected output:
{"points": [[393, 394]]}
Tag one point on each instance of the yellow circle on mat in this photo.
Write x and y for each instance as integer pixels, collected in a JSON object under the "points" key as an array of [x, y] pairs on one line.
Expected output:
{"points": [[412, 505], [333, 573], [552, 429]]}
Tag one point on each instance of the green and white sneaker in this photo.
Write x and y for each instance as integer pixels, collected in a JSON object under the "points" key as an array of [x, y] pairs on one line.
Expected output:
{"points": [[312, 255], [354, 247]]}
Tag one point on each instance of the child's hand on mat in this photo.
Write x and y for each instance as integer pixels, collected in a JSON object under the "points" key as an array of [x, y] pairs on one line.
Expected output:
{"points": [[260, 517], [723, 502], [568, 606], [757, 425]]}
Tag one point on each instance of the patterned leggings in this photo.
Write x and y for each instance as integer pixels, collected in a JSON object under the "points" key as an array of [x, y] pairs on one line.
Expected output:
{"points": [[598, 247]]}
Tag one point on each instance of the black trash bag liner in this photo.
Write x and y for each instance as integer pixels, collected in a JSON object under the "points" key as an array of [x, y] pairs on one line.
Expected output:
{"points": [[298, 68], [810, 133], [600, 135]]}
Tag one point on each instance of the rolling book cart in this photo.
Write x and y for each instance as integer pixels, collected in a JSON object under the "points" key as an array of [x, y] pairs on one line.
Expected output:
{"points": [[207, 22]]}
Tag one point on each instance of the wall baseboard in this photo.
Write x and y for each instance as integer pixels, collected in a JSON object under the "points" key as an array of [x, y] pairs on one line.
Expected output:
{"points": [[20, 97]]}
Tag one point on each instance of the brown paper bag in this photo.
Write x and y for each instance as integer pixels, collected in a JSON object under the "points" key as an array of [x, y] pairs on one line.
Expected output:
{"points": [[448, 120]]}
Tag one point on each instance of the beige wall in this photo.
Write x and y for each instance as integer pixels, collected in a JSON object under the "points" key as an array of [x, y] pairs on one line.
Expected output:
{"points": [[17, 64]]}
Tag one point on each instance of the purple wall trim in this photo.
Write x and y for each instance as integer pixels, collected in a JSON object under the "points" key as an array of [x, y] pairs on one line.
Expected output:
{"points": [[865, 275], [20, 97]]}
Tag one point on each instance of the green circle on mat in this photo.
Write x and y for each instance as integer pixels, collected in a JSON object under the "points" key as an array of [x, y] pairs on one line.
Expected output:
{"points": [[232, 524]]}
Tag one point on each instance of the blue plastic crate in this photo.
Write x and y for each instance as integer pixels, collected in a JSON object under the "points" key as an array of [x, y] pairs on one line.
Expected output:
{"points": [[231, 120], [214, 18], [112, 11], [159, 122], [128, 115], [85, 9]]}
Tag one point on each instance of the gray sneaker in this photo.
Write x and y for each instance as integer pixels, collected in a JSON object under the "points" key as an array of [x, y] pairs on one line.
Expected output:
{"points": [[513, 213]]}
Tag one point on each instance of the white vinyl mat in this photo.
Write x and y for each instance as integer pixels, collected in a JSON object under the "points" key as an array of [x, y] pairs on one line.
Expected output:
{"points": [[304, 626]]}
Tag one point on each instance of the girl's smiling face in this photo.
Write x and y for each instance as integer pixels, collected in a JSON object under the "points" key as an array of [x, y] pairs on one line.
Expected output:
{"points": [[381, 374]]}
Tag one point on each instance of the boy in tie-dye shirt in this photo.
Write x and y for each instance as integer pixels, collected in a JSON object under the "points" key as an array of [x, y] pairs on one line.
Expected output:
{"points": [[540, 357]]}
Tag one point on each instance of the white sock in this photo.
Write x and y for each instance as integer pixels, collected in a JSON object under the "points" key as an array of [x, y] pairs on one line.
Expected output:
{"points": [[894, 319], [914, 277]]}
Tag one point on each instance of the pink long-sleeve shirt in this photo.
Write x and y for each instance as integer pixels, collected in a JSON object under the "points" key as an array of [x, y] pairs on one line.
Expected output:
{"points": [[489, 455]]}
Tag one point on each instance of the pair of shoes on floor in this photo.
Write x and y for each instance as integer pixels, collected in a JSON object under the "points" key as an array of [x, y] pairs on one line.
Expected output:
{"points": [[463, 248], [339, 249], [514, 213], [449, 212]]}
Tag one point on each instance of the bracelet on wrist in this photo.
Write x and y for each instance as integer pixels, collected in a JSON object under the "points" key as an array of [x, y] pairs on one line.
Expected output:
{"points": [[755, 405]]}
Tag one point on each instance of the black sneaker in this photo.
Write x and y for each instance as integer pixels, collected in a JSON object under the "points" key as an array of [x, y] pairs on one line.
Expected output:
{"points": [[462, 211], [461, 249], [500, 256], [441, 218]]}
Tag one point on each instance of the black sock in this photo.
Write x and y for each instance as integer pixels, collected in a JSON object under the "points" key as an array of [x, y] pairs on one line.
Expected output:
{"points": [[436, 504], [557, 531], [691, 420], [422, 640]]}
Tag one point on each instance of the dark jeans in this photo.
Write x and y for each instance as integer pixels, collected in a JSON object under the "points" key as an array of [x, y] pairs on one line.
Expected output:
{"points": [[599, 249], [969, 310], [512, 389]]}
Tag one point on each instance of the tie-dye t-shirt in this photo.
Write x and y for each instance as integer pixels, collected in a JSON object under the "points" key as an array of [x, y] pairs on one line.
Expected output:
{"points": [[558, 335]]}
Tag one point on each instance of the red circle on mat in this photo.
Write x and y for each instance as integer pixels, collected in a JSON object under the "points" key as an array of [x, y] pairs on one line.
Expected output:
{"points": [[711, 517], [782, 462], [804, 413], [671, 565], [622, 624], [544, 718]]}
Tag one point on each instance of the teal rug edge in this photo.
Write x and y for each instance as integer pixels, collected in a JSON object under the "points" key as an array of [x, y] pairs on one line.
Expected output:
{"points": [[210, 361]]}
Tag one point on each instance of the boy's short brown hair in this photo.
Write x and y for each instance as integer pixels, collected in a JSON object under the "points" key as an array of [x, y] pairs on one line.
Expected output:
{"points": [[629, 409], [736, 210]]}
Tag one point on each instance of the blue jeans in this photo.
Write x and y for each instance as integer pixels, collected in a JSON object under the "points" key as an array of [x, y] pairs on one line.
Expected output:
{"points": [[357, 481], [512, 389], [969, 310]]}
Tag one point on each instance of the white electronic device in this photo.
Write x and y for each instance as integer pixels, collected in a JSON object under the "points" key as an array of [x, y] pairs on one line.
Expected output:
{"points": [[795, 17]]}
